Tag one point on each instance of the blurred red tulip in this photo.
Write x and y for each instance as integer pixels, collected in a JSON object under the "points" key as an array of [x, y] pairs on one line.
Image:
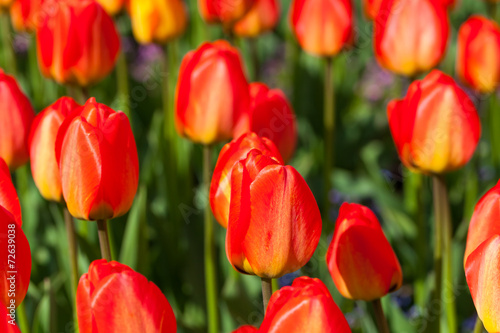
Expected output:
{"points": [[262, 17], [360, 259], [15, 261], [371, 8], [113, 7], [17, 115], [212, 95], [306, 306], [436, 127], [448, 3], [482, 271], [232, 153], [478, 54], [98, 162], [8, 324], [113, 298], [323, 27], [274, 221], [410, 36], [77, 42], [42, 144], [8, 195], [246, 329], [226, 12], [26, 14]]}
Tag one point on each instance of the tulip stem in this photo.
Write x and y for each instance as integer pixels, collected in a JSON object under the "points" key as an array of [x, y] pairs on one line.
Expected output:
{"points": [[210, 266], [254, 51], [267, 291], [478, 328], [494, 115], [22, 320], [329, 123], [123, 84], [382, 325], [102, 226], [9, 55], [73, 256]]}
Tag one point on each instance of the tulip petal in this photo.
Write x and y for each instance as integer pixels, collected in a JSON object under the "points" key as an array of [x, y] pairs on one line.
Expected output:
{"points": [[8, 195]]}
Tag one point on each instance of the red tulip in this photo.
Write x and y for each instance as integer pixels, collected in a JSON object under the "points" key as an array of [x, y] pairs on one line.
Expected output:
{"points": [[98, 162], [8, 324], [410, 36], [482, 271], [42, 140], [246, 329], [436, 127], [274, 222], [371, 8], [26, 14], [478, 53], [448, 3], [306, 306], [360, 259], [231, 153], [113, 298], [8, 194], [77, 42], [262, 17], [323, 27], [224, 11], [15, 261], [212, 96], [17, 115]]}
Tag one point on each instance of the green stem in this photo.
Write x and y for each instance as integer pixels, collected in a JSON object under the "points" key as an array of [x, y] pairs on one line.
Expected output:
{"points": [[254, 51], [276, 285], [210, 264], [329, 123], [167, 116], [73, 257], [22, 319], [494, 115], [8, 49], [267, 291], [382, 325], [123, 84], [102, 228], [478, 328]]}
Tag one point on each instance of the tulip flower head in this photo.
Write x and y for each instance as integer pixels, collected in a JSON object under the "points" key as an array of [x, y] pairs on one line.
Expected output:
{"points": [[226, 12], [262, 17], [98, 162], [8, 195], [8, 324], [361, 261], [26, 14], [113, 298], [436, 127]]}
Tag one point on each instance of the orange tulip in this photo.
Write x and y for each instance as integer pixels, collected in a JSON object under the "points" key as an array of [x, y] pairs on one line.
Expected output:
{"points": [[113, 298], [436, 127], [410, 36], [98, 162], [212, 95], [77, 42], [158, 21], [15, 261], [231, 153], [274, 222], [26, 14], [8, 324], [8, 194], [17, 115], [42, 141], [482, 271], [371, 8], [323, 27], [262, 17], [113, 7], [360, 259], [478, 53], [226, 12]]}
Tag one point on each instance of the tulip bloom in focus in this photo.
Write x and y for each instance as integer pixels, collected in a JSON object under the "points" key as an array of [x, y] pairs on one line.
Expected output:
{"points": [[231, 153], [77, 43], [359, 258], [323, 27], [113, 298], [22, 264], [212, 95], [157, 21], [98, 162], [16, 116], [226, 12], [262, 17], [410, 36], [8, 195], [478, 53], [274, 221], [113, 7], [436, 127], [26, 15]]}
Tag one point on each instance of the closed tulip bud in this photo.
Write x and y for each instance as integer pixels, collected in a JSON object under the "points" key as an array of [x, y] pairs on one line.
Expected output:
{"points": [[361, 261], [158, 21], [113, 7], [262, 17], [26, 14], [77, 43], [482, 271], [43, 135], [305, 306], [17, 115], [8, 195], [113, 298], [410, 36], [436, 127], [478, 52], [274, 221], [231, 153], [212, 97], [323, 27], [226, 12], [98, 162], [7, 325], [15, 277]]}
